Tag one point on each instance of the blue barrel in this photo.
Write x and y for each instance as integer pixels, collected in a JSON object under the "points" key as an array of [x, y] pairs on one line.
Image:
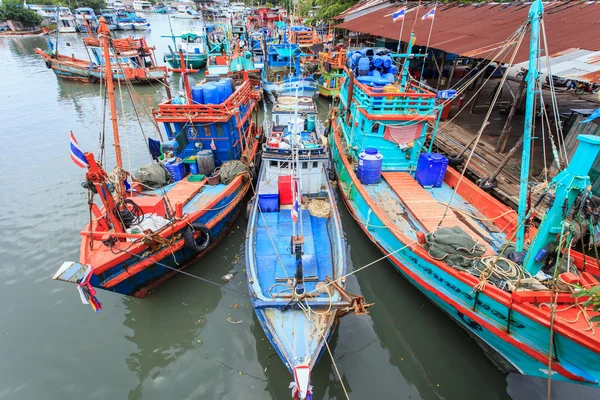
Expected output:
{"points": [[197, 95], [310, 123], [368, 52], [375, 73], [363, 66], [389, 77], [377, 61], [355, 59], [211, 94], [393, 70], [231, 83], [431, 169], [370, 162], [224, 89], [386, 61]]}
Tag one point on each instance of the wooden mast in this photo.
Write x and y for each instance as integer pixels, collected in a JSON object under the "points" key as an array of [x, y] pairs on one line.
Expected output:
{"points": [[104, 35]]}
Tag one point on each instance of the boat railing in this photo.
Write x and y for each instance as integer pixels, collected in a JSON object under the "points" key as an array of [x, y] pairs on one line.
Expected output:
{"points": [[390, 100], [206, 112], [335, 59]]}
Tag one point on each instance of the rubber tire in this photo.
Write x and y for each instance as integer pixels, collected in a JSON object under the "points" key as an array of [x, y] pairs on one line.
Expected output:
{"points": [[92, 79], [137, 79], [455, 161], [486, 185], [192, 243], [48, 64], [579, 91]]}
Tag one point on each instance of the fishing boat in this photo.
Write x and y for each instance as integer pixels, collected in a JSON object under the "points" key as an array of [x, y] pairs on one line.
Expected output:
{"points": [[136, 61], [66, 21], [282, 73], [86, 19], [295, 243], [194, 46], [142, 6], [186, 12], [110, 16], [146, 229], [331, 65], [469, 254]]}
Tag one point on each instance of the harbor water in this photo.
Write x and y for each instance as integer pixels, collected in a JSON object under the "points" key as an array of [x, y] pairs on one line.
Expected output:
{"points": [[187, 339]]}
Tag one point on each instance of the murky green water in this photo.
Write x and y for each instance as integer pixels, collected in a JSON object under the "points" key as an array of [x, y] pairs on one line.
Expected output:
{"points": [[177, 343]]}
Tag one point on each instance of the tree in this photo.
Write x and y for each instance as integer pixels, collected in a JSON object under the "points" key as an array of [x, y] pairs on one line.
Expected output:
{"points": [[16, 11]]}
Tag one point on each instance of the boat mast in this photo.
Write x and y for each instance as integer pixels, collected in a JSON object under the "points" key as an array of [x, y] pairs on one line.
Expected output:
{"points": [[297, 232], [57, 24], [104, 34], [535, 14]]}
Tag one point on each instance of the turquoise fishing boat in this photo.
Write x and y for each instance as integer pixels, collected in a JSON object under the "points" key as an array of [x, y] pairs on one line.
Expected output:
{"points": [[513, 287], [194, 46], [295, 248], [282, 74]]}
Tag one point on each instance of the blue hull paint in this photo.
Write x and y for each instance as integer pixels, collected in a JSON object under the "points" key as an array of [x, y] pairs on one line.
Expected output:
{"points": [[150, 275], [572, 356], [71, 72]]}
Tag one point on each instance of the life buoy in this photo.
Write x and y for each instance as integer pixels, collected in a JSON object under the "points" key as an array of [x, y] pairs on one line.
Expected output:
{"points": [[92, 79], [201, 243], [48, 64]]}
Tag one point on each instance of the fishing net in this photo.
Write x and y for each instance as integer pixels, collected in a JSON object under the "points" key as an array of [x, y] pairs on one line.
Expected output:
{"points": [[453, 246], [153, 175], [230, 169]]}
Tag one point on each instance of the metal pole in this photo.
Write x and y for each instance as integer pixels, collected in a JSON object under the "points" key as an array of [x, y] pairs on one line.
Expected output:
{"points": [[104, 34], [535, 13]]}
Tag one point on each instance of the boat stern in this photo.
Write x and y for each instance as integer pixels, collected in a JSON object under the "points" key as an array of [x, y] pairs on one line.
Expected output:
{"points": [[72, 272]]}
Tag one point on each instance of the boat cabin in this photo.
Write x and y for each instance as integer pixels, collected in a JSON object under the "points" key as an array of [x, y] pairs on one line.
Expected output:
{"points": [[205, 118]]}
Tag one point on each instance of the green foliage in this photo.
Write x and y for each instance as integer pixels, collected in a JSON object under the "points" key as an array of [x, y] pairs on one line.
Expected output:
{"points": [[593, 301], [96, 5], [331, 8], [14, 10]]}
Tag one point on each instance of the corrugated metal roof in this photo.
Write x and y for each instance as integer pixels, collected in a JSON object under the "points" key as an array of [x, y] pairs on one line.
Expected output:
{"points": [[474, 29], [578, 64]]}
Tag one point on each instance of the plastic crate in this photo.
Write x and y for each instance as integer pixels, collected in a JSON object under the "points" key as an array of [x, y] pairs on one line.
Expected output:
{"points": [[176, 169]]}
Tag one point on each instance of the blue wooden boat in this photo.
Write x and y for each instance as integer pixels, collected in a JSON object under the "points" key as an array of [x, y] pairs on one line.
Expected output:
{"points": [[142, 231], [282, 73], [295, 248], [539, 330]]}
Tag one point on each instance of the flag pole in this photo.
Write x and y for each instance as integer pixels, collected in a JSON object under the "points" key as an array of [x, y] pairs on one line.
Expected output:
{"points": [[401, 29]]}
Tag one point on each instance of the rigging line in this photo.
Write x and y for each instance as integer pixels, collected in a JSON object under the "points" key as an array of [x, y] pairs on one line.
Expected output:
{"points": [[483, 126], [558, 124], [125, 125], [190, 275], [336, 368], [364, 266], [427, 45]]}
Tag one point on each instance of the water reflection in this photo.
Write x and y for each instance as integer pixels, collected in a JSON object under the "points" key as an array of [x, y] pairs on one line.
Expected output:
{"points": [[164, 328]]}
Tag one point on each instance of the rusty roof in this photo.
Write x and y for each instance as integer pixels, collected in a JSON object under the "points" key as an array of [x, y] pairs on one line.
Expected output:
{"points": [[474, 29]]}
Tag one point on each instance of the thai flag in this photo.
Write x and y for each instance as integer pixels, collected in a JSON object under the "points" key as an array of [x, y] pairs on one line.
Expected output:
{"points": [[295, 203], [76, 153], [398, 15], [429, 15]]}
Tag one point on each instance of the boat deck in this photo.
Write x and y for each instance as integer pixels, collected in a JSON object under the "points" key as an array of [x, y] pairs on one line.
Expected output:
{"points": [[276, 264], [193, 195], [413, 208]]}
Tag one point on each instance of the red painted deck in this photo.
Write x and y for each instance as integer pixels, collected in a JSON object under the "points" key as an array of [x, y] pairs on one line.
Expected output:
{"points": [[427, 210], [184, 191]]}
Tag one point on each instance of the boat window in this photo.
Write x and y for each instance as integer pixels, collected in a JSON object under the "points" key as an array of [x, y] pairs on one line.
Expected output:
{"points": [[315, 164], [284, 165], [375, 128], [220, 130], [273, 163], [305, 165]]}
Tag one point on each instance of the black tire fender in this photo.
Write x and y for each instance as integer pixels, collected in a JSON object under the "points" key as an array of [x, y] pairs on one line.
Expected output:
{"points": [[486, 184], [455, 161], [92, 79], [201, 243], [48, 64]]}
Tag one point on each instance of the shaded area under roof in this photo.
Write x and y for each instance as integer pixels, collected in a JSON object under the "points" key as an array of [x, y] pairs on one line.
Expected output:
{"points": [[473, 30]]}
